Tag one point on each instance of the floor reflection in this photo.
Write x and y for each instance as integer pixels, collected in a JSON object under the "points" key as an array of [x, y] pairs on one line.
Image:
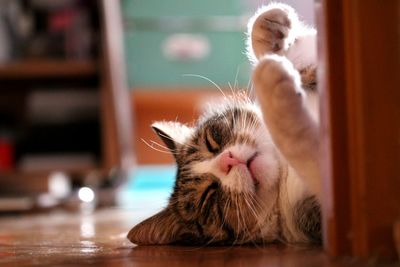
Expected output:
{"points": [[62, 238], [66, 239], [87, 227], [272, 255]]}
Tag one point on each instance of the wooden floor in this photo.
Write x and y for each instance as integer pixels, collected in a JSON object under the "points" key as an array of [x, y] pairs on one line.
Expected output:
{"points": [[70, 239]]}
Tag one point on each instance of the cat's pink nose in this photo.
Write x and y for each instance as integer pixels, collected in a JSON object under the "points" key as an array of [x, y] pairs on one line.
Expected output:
{"points": [[226, 161]]}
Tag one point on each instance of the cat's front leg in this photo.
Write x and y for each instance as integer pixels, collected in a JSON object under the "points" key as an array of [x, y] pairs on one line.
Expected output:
{"points": [[294, 131]]}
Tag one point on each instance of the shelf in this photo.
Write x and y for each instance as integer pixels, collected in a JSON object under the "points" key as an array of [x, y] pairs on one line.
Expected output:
{"points": [[21, 79], [48, 69], [46, 171], [32, 182]]}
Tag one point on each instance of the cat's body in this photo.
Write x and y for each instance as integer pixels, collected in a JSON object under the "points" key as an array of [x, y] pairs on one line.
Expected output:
{"points": [[249, 174]]}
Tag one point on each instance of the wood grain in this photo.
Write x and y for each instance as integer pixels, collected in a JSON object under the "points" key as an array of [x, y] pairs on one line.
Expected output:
{"points": [[334, 163], [99, 239], [373, 100], [359, 75]]}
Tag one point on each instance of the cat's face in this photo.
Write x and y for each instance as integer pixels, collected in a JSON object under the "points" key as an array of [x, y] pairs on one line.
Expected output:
{"points": [[227, 181]]}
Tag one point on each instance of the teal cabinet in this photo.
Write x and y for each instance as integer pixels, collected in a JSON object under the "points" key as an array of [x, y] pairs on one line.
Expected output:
{"points": [[148, 24]]}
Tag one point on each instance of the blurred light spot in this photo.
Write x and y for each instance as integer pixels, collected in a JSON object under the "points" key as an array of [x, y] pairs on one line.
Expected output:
{"points": [[59, 185], [87, 229], [88, 250], [47, 200], [86, 194], [87, 243]]}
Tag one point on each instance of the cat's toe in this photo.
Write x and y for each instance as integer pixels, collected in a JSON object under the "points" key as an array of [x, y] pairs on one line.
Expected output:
{"points": [[270, 31]]}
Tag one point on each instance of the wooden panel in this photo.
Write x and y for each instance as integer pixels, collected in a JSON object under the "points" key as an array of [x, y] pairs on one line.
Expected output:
{"points": [[359, 72], [373, 100], [335, 172], [116, 109]]}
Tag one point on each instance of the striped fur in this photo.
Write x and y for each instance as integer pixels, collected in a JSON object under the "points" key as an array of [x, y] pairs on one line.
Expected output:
{"points": [[202, 208]]}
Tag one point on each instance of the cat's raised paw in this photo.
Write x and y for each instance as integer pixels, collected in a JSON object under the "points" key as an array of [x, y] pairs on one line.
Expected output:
{"points": [[275, 77], [270, 29]]}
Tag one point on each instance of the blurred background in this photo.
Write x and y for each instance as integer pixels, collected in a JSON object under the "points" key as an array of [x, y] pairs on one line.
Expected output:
{"points": [[82, 80]]}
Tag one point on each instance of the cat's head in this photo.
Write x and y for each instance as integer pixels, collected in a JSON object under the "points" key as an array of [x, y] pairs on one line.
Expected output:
{"points": [[227, 180]]}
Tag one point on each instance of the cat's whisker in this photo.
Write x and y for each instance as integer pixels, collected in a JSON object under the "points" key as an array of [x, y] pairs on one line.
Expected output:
{"points": [[161, 146], [249, 84], [239, 229], [250, 210], [252, 204], [232, 90], [236, 84], [245, 201], [235, 209], [260, 206], [258, 224], [227, 207], [242, 226], [249, 204], [256, 202], [224, 213], [207, 79], [244, 121], [221, 228], [156, 149], [246, 230], [250, 89], [234, 119], [175, 141]]}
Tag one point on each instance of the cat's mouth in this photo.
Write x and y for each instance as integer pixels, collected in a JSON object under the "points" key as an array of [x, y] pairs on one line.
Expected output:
{"points": [[240, 170], [251, 168]]}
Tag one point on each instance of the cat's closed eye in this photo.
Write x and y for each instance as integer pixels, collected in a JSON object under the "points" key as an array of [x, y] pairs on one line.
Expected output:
{"points": [[212, 145], [213, 137]]}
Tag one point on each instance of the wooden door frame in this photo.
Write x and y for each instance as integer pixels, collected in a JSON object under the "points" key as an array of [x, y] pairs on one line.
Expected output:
{"points": [[359, 79], [117, 122]]}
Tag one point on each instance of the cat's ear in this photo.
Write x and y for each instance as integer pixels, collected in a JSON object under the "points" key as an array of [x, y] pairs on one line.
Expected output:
{"points": [[160, 229], [172, 133]]}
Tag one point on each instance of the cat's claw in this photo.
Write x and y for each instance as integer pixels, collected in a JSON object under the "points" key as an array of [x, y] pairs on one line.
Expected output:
{"points": [[271, 30]]}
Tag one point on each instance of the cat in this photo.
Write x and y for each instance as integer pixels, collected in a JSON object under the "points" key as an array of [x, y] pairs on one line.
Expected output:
{"points": [[246, 172]]}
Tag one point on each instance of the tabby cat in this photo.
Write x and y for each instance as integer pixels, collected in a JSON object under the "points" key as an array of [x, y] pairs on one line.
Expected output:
{"points": [[246, 172]]}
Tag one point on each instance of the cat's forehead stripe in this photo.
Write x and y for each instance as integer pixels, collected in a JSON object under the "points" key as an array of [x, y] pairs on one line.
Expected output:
{"points": [[228, 105], [231, 117]]}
